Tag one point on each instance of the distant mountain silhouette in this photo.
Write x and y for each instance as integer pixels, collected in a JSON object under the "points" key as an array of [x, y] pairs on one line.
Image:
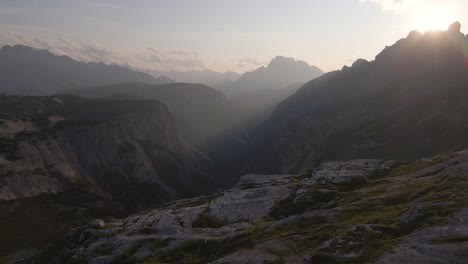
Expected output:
{"points": [[206, 77], [408, 103], [28, 71], [280, 73], [201, 112]]}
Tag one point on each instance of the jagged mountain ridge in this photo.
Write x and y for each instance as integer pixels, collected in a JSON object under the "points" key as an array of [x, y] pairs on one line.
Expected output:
{"points": [[359, 211], [406, 104], [280, 73], [28, 71], [124, 150]]}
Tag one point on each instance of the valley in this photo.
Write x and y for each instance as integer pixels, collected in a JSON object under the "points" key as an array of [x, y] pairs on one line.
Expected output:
{"points": [[164, 155]]}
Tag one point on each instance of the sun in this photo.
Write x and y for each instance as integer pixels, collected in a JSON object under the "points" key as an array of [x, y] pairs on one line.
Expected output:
{"points": [[435, 17]]}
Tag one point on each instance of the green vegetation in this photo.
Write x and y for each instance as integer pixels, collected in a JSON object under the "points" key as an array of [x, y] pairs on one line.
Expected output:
{"points": [[284, 208], [452, 239], [206, 220], [197, 201], [353, 222], [368, 222], [201, 251], [34, 222], [130, 191]]}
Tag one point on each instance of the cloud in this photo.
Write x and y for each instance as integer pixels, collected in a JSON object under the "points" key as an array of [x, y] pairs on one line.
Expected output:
{"points": [[175, 59], [93, 51], [249, 63], [134, 57], [397, 6]]}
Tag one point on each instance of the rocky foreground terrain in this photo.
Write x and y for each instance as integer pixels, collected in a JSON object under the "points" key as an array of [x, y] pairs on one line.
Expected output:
{"points": [[359, 211]]}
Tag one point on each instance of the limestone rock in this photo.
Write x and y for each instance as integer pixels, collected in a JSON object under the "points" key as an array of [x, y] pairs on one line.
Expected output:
{"points": [[96, 224], [96, 143], [438, 244], [252, 199], [358, 225], [345, 171]]}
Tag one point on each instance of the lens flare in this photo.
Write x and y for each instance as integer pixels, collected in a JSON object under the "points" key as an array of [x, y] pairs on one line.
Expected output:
{"points": [[435, 16]]}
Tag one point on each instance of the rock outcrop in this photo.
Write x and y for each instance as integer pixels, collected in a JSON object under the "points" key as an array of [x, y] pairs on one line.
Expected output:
{"points": [[346, 171], [128, 150], [400, 213]]}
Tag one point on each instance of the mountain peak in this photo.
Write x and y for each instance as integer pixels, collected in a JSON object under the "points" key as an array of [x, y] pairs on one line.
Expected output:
{"points": [[281, 61], [455, 27], [280, 73], [415, 34], [16, 48], [46, 73]]}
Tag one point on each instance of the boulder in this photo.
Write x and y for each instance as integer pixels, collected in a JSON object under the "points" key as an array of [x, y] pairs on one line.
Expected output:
{"points": [[96, 224]]}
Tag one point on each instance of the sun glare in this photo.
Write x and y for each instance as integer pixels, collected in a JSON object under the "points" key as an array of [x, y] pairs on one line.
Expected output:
{"points": [[435, 17]]}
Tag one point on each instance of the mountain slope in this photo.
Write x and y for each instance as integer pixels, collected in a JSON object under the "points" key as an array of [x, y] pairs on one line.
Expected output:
{"points": [[27, 71], [281, 72], [201, 112], [406, 104], [260, 103], [360, 211], [124, 150]]}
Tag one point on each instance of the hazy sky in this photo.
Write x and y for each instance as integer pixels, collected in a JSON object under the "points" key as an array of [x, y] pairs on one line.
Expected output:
{"points": [[221, 35]]}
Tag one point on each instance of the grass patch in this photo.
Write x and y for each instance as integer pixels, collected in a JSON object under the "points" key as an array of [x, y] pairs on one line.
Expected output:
{"points": [[192, 251], [206, 220], [369, 221], [284, 208], [34, 222], [451, 239], [193, 202]]}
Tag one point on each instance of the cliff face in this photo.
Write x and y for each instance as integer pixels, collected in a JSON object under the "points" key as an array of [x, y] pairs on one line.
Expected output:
{"points": [[359, 211], [201, 113], [127, 150]]}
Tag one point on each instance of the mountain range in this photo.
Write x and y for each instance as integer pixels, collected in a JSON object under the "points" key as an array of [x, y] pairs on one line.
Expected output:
{"points": [[206, 77], [28, 71], [366, 164], [406, 104], [278, 74], [260, 90]]}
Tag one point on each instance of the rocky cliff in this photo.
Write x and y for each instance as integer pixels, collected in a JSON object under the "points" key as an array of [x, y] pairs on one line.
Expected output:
{"points": [[359, 211], [123, 149], [201, 113]]}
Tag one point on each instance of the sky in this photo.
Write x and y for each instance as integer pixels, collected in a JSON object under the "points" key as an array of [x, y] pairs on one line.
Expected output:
{"points": [[221, 35]]}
